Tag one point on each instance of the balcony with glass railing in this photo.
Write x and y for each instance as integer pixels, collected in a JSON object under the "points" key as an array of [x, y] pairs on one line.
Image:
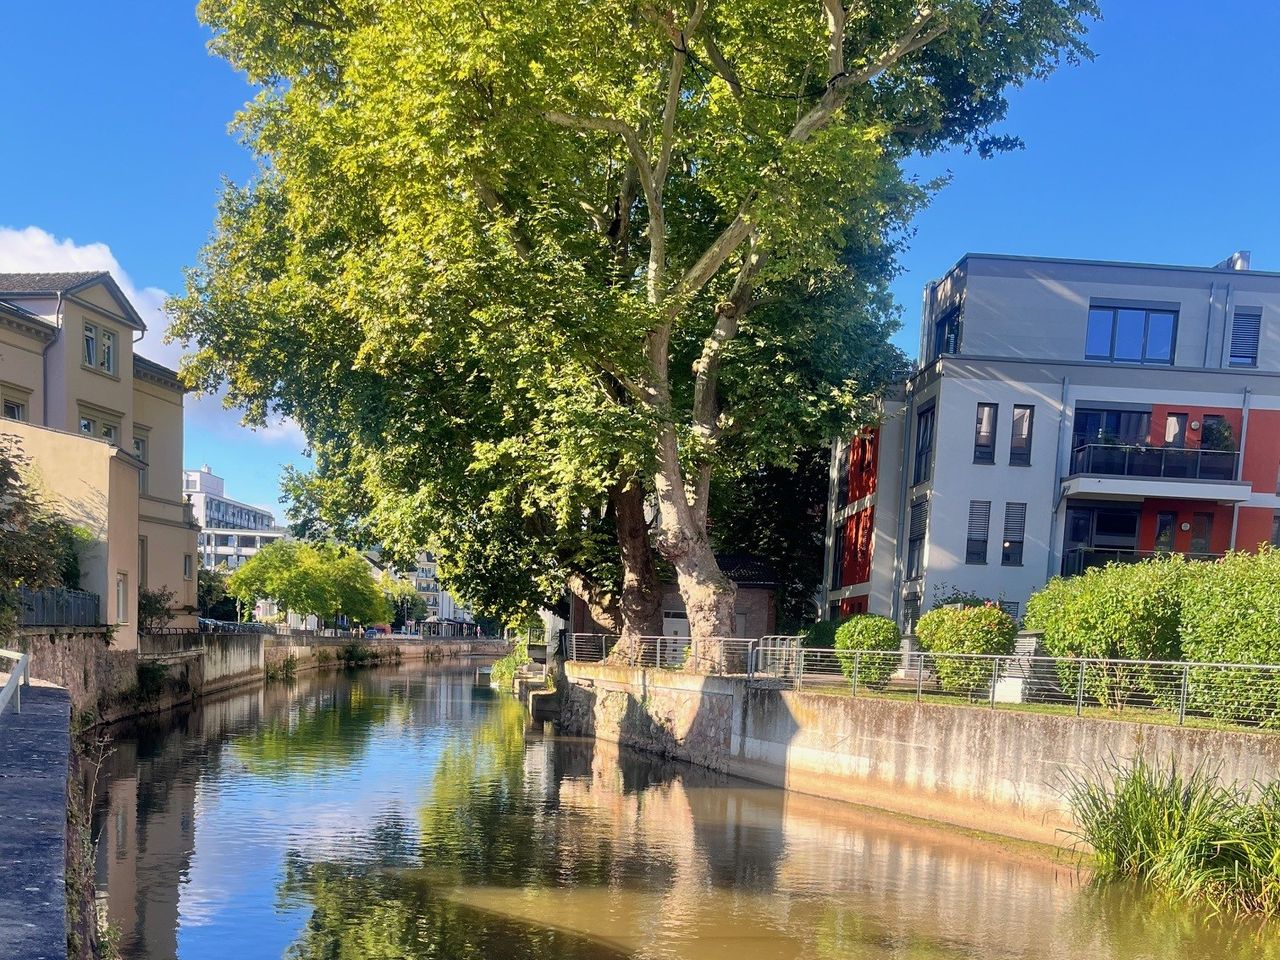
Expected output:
{"points": [[1160, 463], [1076, 561]]}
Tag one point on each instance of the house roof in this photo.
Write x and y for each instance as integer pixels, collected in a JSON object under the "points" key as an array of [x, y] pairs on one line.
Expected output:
{"points": [[47, 283], [746, 570], [67, 283], [12, 315], [157, 373]]}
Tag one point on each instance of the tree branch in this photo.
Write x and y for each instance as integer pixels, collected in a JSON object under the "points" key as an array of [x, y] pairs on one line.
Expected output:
{"points": [[836, 19], [721, 66], [498, 206]]}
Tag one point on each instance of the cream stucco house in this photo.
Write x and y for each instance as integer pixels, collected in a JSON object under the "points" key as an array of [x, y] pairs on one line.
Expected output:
{"points": [[102, 426]]}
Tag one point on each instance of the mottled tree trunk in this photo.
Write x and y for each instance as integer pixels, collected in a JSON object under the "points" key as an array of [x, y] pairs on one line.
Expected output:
{"points": [[640, 603], [682, 539]]}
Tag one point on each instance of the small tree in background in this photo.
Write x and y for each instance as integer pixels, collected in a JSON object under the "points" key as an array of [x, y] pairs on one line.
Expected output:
{"points": [[154, 609]]}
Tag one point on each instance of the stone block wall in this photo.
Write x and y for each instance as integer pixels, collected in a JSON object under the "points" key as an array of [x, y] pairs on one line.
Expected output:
{"points": [[81, 659]]}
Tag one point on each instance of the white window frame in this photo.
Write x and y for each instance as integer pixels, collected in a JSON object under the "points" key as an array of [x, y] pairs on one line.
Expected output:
{"points": [[188, 566], [18, 398], [108, 351], [122, 597], [89, 346], [142, 439]]}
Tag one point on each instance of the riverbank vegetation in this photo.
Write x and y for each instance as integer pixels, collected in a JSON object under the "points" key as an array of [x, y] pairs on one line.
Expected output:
{"points": [[324, 580], [1190, 835]]}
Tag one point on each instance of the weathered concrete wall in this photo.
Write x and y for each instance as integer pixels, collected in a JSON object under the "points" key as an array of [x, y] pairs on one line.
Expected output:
{"points": [[230, 659], [996, 770]]}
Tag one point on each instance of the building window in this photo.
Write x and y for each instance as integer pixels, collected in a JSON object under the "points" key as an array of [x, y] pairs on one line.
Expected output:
{"points": [[1015, 531], [979, 530], [842, 477], [984, 433], [188, 566], [924, 445], [1201, 533], [1010, 607], [915, 539], [1275, 529], [122, 598], [88, 426], [1020, 441], [140, 451], [1175, 430], [108, 351], [90, 345], [946, 334], [1127, 335], [1166, 523], [1246, 328], [111, 432], [13, 410]]}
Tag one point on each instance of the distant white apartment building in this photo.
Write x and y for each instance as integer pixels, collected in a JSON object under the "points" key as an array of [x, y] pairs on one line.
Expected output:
{"points": [[231, 531], [445, 615]]}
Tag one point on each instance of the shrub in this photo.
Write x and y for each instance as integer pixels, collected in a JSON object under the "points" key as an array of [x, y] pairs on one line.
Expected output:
{"points": [[872, 633], [968, 630], [1231, 614], [821, 635], [1117, 612]]}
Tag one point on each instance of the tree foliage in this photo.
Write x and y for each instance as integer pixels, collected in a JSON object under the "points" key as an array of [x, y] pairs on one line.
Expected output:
{"points": [[303, 578], [985, 630], [880, 641], [502, 263]]}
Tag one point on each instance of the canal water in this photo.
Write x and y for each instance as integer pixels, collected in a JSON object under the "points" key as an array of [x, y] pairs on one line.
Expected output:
{"points": [[406, 813]]}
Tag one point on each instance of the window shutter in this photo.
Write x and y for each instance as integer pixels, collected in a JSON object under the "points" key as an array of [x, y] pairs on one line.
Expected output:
{"points": [[1246, 328], [1015, 521], [979, 519], [919, 518]]}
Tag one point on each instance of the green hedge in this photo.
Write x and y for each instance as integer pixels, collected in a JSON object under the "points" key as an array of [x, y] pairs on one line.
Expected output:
{"points": [[869, 632], [1231, 614], [1118, 612], [820, 635], [974, 630]]}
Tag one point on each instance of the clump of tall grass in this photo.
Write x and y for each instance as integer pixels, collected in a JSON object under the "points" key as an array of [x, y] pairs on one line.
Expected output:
{"points": [[1191, 835]]}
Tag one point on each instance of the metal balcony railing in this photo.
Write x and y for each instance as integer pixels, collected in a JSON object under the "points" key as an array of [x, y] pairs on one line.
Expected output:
{"points": [[1077, 561], [1166, 463], [58, 607]]}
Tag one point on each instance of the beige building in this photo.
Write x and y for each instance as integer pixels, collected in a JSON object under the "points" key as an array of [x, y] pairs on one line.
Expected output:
{"points": [[102, 426]]}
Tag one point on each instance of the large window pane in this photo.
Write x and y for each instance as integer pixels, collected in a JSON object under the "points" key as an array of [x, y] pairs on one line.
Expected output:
{"points": [[1129, 330], [1160, 337], [1098, 337]]}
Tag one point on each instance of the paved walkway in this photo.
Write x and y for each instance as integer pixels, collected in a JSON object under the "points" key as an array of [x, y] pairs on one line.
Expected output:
{"points": [[33, 818]]}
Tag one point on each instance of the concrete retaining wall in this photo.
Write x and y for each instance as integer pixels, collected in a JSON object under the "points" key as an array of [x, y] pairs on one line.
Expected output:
{"points": [[995, 770]]}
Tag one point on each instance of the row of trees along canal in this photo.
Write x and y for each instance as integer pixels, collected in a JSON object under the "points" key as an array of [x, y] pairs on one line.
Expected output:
{"points": [[523, 270]]}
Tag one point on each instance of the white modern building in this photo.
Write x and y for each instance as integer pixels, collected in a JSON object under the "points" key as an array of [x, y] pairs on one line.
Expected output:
{"points": [[231, 531], [1065, 414]]}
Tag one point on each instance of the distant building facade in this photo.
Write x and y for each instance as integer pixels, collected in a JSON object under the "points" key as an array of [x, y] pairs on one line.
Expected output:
{"points": [[103, 429], [445, 615], [231, 531], [1065, 414]]}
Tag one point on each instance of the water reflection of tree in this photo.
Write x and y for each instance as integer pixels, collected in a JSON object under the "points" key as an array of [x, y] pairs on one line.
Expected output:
{"points": [[326, 730]]}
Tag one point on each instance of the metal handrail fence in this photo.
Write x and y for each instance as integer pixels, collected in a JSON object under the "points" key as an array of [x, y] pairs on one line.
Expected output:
{"points": [[1140, 460], [58, 607], [713, 655], [19, 677], [1160, 691]]}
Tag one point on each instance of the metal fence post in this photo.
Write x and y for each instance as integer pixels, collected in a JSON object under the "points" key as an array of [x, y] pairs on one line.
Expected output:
{"points": [[919, 676], [857, 660], [995, 676], [1080, 690], [1182, 698], [799, 669]]}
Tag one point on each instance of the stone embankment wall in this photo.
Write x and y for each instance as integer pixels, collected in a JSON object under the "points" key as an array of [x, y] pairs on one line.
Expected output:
{"points": [[1000, 771], [104, 682]]}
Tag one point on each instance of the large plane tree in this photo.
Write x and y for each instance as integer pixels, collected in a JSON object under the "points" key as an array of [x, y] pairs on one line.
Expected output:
{"points": [[550, 261]]}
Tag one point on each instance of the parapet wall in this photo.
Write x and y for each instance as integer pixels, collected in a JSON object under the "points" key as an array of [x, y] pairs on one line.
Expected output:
{"points": [[1001, 771]]}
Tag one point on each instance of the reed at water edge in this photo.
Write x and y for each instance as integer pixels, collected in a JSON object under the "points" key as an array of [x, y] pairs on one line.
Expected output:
{"points": [[1193, 836]]}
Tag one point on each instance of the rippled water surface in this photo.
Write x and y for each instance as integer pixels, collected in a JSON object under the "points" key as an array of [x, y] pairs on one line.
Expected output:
{"points": [[406, 813]]}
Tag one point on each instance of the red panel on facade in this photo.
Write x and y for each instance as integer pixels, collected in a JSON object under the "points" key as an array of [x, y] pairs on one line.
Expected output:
{"points": [[1262, 453], [853, 605], [858, 534], [863, 452], [1255, 524], [1195, 414], [1184, 511]]}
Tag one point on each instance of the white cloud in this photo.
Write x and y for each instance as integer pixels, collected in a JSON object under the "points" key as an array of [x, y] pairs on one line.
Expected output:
{"points": [[33, 250]]}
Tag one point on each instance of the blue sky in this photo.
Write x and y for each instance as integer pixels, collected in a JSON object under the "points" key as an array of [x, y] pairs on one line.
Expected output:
{"points": [[1163, 149]]}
